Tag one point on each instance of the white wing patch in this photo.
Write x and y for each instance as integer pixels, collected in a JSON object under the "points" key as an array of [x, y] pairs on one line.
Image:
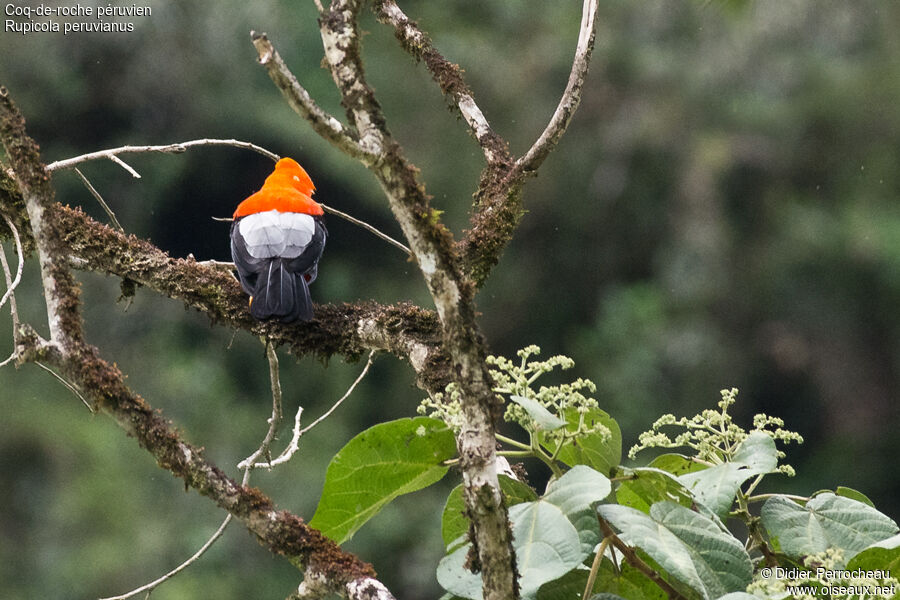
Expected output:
{"points": [[274, 233]]}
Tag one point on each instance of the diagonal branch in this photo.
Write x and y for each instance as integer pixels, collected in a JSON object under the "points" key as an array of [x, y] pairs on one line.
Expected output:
{"points": [[498, 208], [299, 99], [447, 75], [571, 97]]}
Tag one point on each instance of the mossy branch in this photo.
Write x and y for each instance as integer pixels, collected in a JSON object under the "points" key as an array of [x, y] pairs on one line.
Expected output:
{"points": [[103, 385]]}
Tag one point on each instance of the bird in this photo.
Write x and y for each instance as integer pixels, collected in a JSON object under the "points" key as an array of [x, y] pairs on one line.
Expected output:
{"points": [[277, 238]]}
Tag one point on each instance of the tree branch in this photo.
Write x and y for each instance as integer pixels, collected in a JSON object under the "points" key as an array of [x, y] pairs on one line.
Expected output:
{"points": [[571, 96], [453, 295], [103, 384], [299, 99], [498, 201], [113, 153], [447, 75]]}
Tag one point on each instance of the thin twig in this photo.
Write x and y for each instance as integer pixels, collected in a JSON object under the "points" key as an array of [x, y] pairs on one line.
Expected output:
{"points": [[13, 284], [275, 419], [217, 264], [125, 166], [12, 305], [112, 154], [291, 449], [345, 396], [368, 228], [96, 194], [595, 568], [632, 557], [571, 96], [154, 584], [298, 432], [66, 383]]}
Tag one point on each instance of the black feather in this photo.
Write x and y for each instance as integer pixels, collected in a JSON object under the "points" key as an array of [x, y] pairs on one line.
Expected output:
{"points": [[277, 285]]}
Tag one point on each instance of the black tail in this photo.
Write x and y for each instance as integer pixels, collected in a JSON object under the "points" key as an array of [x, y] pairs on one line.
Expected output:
{"points": [[281, 294]]}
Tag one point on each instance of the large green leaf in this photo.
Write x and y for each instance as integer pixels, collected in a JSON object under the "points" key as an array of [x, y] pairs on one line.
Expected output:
{"points": [[646, 486], [546, 544], [689, 547], [716, 487], [575, 493], [378, 465], [603, 453], [453, 520], [883, 556], [826, 521]]}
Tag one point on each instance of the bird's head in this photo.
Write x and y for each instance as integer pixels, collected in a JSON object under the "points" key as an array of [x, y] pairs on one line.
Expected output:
{"points": [[288, 189]]}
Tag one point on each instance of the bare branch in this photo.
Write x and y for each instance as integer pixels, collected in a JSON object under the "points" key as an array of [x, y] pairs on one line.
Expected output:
{"points": [[196, 556], [275, 420], [96, 194], [298, 432], [299, 99], [346, 395], [447, 75], [368, 228], [12, 284], [498, 202], [571, 96], [113, 153]]}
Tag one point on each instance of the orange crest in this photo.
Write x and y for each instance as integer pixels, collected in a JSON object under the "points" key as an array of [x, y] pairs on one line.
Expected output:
{"points": [[287, 189]]}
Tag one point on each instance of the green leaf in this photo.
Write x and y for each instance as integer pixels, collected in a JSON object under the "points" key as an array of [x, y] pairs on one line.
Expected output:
{"points": [[575, 493], [757, 452], [546, 544], [853, 495], [716, 487], [453, 520], [579, 488], [456, 578], [594, 450], [542, 417], [568, 587], [826, 521], [676, 464], [376, 466], [614, 585], [649, 486], [883, 556], [626, 581], [688, 546]]}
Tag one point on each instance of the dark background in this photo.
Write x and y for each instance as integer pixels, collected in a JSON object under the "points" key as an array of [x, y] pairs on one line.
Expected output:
{"points": [[723, 211]]}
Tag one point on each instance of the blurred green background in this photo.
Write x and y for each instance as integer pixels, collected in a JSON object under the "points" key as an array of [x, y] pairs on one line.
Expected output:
{"points": [[723, 211]]}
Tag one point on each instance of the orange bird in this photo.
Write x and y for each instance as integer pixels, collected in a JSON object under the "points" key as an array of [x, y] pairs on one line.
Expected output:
{"points": [[277, 238]]}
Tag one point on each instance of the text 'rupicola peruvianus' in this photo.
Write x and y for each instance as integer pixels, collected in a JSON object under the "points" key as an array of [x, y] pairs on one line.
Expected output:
{"points": [[277, 238]]}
